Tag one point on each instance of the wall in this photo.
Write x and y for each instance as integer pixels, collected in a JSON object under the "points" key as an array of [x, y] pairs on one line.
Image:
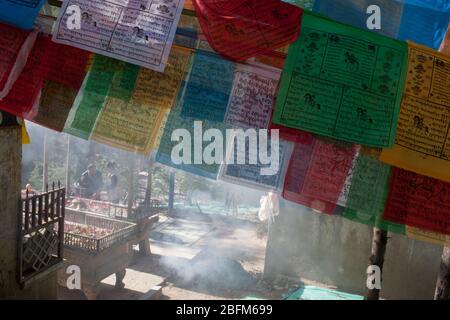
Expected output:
{"points": [[335, 251], [10, 167]]}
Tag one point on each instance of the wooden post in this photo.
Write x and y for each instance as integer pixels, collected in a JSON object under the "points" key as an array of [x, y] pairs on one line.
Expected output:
{"points": [[131, 185], [144, 245], [443, 283], [148, 192], [68, 166], [171, 190], [379, 242], [45, 163]]}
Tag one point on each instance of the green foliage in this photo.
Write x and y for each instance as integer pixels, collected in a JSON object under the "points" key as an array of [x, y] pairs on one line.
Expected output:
{"points": [[82, 153]]}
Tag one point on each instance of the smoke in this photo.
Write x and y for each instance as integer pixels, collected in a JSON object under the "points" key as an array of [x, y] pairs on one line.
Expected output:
{"points": [[204, 227], [218, 257], [82, 153], [211, 270]]}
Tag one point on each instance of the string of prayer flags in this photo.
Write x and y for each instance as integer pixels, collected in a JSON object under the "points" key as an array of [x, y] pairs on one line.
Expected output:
{"points": [[423, 137], [127, 125], [15, 47], [92, 95], [368, 192], [47, 61], [254, 171], [317, 174], [53, 107], [137, 32], [252, 96], [208, 88], [241, 29], [134, 124], [20, 13], [421, 21], [428, 236], [191, 136], [342, 82], [418, 201], [160, 89]]}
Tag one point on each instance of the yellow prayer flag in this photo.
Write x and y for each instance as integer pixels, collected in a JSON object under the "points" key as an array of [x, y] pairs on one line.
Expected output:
{"points": [[423, 131], [25, 135], [428, 236], [135, 125]]}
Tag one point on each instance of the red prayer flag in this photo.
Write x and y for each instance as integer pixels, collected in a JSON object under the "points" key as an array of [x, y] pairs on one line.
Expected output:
{"points": [[317, 173], [293, 135], [26, 89], [12, 41], [418, 201], [67, 64], [47, 61], [241, 29]]}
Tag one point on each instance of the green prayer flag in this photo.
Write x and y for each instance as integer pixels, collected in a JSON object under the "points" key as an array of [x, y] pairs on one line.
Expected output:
{"points": [[342, 82], [368, 193], [107, 77]]}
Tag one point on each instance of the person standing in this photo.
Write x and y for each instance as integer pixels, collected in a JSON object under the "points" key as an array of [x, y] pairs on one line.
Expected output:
{"points": [[91, 182], [269, 209], [113, 182]]}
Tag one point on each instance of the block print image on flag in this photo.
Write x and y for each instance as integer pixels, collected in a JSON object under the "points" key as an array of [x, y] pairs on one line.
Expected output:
{"points": [[252, 96], [106, 77], [317, 174], [239, 30], [254, 161], [342, 82], [209, 87], [15, 46], [46, 61], [418, 201], [175, 121], [138, 32], [367, 195], [53, 106], [133, 124], [423, 139]]}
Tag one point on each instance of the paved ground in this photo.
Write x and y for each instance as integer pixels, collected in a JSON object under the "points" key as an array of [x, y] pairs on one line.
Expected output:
{"points": [[196, 256], [208, 256]]}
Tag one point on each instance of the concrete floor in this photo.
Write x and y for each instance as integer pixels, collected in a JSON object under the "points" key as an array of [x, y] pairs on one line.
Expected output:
{"points": [[188, 248]]}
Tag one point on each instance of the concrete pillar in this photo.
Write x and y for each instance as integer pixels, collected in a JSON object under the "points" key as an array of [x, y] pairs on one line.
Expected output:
{"points": [[10, 179]]}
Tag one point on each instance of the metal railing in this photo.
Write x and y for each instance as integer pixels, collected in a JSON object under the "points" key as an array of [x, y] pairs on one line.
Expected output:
{"points": [[40, 232], [117, 231]]}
